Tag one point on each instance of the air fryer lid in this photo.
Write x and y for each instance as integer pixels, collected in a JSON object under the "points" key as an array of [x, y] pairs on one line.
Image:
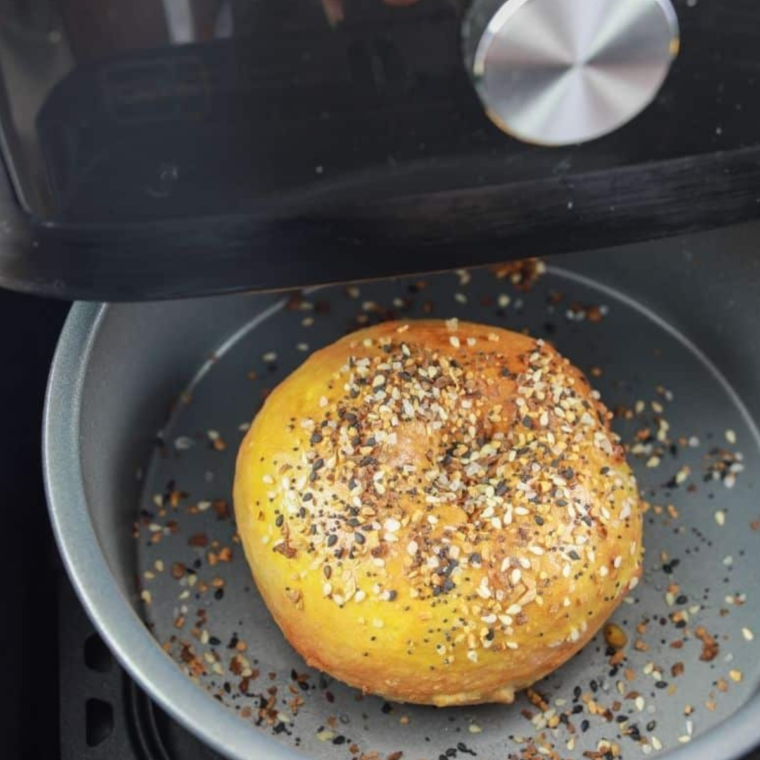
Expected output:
{"points": [[156, 158], [141, 505]]}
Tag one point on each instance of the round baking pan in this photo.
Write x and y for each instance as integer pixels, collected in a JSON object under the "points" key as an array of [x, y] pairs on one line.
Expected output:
{"points": [[148, 403]]}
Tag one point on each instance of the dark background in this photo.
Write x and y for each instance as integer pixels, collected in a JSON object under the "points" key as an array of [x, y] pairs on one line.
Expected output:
{"points": [[29, 703]]}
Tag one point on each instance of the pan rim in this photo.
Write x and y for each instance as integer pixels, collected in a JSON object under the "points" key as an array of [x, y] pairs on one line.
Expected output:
{"points": [[124, 631]]}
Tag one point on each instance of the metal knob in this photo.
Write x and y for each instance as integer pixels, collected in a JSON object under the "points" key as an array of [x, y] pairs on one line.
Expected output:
{"points": [[556, 72]]}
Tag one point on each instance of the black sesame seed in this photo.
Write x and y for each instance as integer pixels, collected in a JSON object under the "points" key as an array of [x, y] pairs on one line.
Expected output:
{"points": [[332, 539], [574, 554], [359, 538], [279, 521]]}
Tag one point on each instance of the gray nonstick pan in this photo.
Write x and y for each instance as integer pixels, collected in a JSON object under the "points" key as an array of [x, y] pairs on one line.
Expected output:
{"points": [[148, 403]]}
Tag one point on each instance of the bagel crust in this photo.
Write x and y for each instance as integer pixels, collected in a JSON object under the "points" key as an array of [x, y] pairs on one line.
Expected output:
{"points": [[438, 512]]}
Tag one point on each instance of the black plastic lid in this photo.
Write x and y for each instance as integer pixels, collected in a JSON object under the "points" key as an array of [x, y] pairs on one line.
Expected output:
{"points": [[275, 149]]}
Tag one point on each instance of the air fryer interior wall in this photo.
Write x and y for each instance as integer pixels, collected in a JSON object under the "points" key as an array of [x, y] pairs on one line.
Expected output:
{"points": [[120, 374]]}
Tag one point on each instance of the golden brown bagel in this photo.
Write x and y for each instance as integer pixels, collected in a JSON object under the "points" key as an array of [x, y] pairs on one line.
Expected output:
{"points": [[437, 512]]}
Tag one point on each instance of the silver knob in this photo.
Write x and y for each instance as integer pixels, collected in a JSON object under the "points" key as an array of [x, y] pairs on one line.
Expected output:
{"points": [[556, 72]]}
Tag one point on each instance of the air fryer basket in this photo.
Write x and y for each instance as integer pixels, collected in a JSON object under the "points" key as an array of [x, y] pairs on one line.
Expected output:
{"points": [[147, 405]]}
